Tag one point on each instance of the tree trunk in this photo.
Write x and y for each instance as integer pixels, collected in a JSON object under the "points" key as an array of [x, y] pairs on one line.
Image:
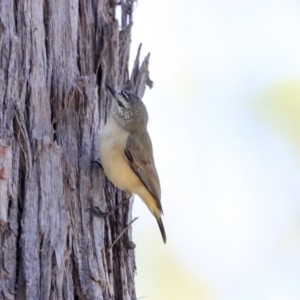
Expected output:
{"points": [[55, 58]]}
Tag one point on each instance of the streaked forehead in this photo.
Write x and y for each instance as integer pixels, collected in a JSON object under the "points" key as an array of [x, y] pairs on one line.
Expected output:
{"points": [[128, 95]]}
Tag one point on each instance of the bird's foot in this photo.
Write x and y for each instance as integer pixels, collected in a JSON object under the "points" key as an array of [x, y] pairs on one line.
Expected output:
{"points": [[96, 211], [97, 163]]}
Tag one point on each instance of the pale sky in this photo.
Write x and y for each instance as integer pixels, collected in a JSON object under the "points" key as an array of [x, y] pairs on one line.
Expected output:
{"points": [[230, 180]]}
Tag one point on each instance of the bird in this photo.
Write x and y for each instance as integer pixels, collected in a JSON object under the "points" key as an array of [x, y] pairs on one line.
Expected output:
{"points": [[126, 152]]}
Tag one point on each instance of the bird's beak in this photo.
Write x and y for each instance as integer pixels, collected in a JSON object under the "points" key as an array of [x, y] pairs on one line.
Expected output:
{"points": [[112, 91]]}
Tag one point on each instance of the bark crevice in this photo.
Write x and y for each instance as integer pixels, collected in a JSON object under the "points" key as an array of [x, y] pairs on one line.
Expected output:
{"points": [[55, 59]]}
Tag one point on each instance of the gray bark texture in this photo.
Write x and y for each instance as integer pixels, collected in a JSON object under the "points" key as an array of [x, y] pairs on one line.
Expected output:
{"points": [[55, 58]]}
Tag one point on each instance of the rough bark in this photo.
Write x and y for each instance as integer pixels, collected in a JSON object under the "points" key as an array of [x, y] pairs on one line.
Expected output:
{"points": [[55, 58]]}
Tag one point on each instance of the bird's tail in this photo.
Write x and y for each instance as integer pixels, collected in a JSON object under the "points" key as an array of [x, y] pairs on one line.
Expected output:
{"points": [[162, 228], [156, 209]]}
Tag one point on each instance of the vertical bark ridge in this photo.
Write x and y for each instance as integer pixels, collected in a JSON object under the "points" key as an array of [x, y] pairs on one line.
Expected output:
{"points": [[55, 58]]}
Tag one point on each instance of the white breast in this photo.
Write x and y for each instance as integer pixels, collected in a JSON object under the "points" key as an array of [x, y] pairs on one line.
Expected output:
{"points": [[113, 160]]}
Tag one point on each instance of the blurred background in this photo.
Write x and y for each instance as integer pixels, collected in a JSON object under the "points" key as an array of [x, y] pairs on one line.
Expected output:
{"points": [[225, 125]]}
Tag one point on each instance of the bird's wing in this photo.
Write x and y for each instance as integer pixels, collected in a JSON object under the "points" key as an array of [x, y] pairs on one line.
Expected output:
{"points": [[143, 164]]}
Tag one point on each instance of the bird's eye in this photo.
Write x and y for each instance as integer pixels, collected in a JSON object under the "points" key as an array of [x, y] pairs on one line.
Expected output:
{"points": [[121, 104]]}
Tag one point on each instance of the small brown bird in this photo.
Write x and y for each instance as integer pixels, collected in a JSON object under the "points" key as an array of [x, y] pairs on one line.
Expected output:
{"points": [[126, 152]]}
